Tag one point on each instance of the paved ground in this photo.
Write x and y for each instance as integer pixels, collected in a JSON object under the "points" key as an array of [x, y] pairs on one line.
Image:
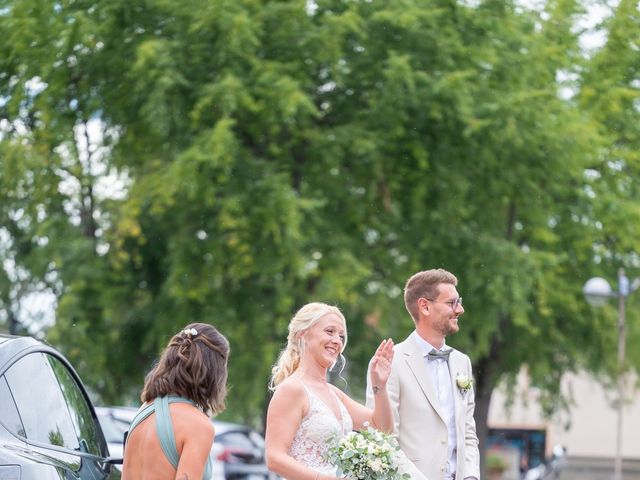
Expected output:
{"points": [[597, 469]]}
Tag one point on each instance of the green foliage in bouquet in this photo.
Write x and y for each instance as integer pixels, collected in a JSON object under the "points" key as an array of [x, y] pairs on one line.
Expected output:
{"points": [[367, 455]]}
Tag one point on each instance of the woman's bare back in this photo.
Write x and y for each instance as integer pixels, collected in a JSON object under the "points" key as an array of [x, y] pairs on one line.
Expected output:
{"points": [[145, 459]]}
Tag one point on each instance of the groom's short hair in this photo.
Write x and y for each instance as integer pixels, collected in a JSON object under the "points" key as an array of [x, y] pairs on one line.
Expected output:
{"points": [[425, 285]]}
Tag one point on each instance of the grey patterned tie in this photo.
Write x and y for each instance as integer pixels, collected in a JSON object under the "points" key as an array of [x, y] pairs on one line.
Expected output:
{"points": [[435, 354]]}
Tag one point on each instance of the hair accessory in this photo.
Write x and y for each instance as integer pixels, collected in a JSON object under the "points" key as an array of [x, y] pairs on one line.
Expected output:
{"points": [[190, 332]]}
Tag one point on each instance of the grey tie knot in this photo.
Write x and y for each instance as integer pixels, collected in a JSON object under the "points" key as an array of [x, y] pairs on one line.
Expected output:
{"points": [[435, 354]]}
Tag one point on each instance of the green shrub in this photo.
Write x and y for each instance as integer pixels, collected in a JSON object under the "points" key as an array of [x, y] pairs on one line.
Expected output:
{"points": [[496, 463]]}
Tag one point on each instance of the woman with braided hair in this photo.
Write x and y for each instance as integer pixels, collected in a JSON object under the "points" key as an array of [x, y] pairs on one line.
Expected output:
{"points": [[171, 436]]}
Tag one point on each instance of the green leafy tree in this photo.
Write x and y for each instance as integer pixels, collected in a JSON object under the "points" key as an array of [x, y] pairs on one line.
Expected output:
{"points": [[610, 92], [273, 153]]}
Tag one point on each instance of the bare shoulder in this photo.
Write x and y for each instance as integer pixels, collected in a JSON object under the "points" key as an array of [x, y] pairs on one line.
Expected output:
{"points": [[290, 395], [290, 388], [341, 395], [192, 420], [205, 427]]}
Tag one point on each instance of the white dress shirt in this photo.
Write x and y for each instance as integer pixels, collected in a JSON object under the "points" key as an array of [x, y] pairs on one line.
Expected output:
{"points": [[438, 371]]}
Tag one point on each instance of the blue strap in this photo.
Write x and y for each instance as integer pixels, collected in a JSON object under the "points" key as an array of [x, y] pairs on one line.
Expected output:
{"points": [[164, 428], [140, 416]]}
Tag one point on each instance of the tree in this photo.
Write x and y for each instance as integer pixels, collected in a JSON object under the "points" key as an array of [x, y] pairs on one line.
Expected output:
{"points": [[274, 153], [610, 92]]}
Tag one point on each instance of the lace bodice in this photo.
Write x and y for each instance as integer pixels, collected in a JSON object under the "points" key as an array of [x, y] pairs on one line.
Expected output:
{"points": [[311, 440]]}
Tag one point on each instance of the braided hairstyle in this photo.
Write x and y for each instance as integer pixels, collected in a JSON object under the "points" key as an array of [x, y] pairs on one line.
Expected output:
{"points": [[304, 319], [193, 365]]}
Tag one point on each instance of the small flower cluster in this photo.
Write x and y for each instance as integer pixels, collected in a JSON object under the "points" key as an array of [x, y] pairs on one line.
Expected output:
{"points": [[367, 455], [190, 332], [464, 383]]}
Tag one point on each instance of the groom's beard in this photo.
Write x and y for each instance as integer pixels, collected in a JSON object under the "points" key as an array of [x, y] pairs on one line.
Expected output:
{"points": [[447, 325]]}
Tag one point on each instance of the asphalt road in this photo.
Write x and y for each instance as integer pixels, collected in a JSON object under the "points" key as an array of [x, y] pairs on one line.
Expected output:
{"points": [[597, 469]]}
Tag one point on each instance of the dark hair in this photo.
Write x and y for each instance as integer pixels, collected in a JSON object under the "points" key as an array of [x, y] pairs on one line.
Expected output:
{"points": [[425, 285], [193, 365]]}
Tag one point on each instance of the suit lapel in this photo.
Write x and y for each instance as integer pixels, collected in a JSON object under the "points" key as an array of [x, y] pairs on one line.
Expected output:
{"points": [[455, 367], [415, 362]]}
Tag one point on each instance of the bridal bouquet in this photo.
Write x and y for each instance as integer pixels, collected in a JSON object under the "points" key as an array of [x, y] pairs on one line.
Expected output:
{"points": [[367, 455]]}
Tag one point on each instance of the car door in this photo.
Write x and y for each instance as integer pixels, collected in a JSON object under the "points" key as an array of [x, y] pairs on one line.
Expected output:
{"points": [[87, 427], [56, 419]]}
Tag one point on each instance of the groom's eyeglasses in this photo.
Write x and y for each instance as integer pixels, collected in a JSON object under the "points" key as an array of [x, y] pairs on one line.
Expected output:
{"points": [[452, 303]]}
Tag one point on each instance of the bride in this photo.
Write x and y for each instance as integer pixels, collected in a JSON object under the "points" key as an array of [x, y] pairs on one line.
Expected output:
{"points": [[306, 411]]}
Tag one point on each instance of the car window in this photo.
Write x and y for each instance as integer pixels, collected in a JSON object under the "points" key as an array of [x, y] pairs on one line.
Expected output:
{"points": [[85, 424], [40, 402], [9, 413]]}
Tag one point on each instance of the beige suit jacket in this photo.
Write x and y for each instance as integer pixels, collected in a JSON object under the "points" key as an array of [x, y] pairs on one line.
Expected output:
{"points": [[418, 418]]}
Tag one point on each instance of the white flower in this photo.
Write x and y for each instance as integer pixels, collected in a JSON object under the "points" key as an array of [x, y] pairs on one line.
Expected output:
{"points": [[375, 464], [190, 332], [464, 382]]}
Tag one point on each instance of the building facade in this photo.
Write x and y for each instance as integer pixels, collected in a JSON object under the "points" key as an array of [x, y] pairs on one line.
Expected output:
{"points": [[588, 430]]}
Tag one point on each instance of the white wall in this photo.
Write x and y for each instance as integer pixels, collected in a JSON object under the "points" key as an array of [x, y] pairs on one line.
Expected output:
{"points": [[589, 429]]}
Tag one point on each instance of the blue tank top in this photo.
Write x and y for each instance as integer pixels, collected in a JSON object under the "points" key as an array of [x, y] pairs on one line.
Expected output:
{"points": [[164, 427]]}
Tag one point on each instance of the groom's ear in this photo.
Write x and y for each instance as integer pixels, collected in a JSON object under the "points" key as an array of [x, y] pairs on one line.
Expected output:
{"points": [[423, 304]]}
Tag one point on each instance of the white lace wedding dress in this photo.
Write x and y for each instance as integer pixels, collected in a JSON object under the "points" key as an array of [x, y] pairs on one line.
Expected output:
{"points": [[318, 427]]}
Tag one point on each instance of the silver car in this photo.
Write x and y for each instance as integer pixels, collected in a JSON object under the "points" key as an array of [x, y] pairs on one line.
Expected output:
{"points": [[48, 426]]}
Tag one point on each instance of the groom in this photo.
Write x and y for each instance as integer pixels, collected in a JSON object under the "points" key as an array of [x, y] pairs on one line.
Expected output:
{"points": [[430, 389]]}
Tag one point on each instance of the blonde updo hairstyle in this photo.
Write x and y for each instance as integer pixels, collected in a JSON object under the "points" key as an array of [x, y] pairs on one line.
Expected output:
{"points": [[290, 356]]}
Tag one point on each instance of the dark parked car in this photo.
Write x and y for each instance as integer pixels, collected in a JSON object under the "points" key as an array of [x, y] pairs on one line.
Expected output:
{"points": [[48, 427], [238, 450], [242, 452]]}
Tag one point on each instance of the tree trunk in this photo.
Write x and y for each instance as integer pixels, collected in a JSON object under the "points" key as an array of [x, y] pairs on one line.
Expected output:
{"points": [[14, 324], [483, 400], [486, 380]]}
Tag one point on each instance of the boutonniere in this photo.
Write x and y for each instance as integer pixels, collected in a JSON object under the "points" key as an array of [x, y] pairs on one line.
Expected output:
{"points": [[464, 383]]}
